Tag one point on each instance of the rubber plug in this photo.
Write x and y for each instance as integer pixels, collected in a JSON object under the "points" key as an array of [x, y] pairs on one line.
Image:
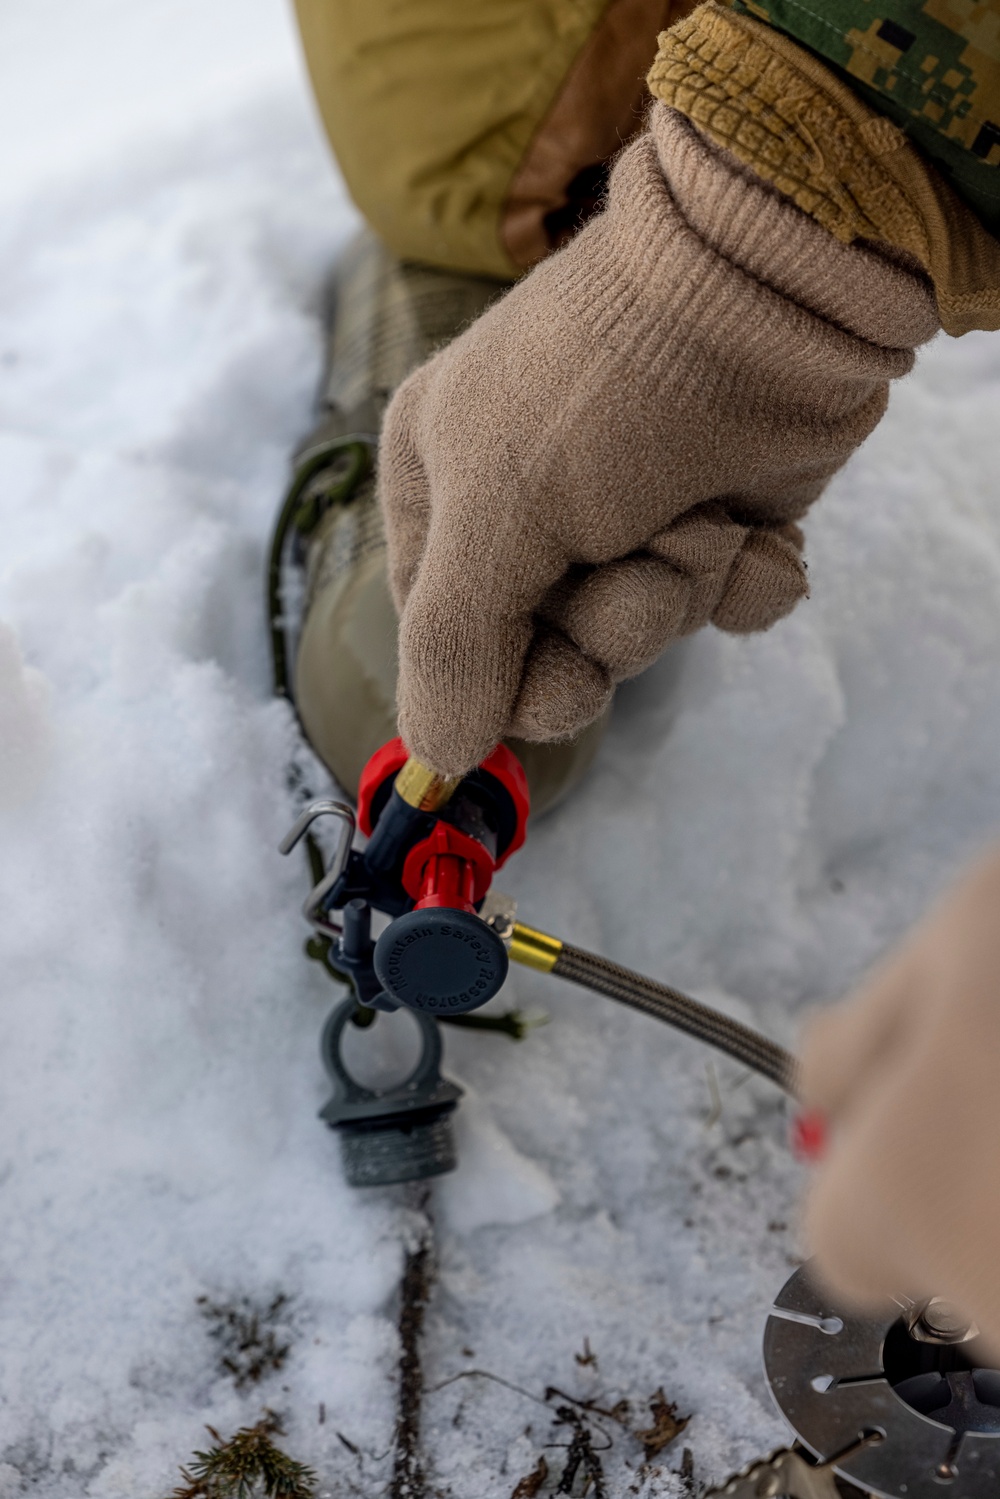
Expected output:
{"points": [[401, 1134], [442, 961]]}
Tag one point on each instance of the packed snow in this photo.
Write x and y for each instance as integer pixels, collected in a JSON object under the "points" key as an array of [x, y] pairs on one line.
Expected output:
{"points": [[765, 817]]}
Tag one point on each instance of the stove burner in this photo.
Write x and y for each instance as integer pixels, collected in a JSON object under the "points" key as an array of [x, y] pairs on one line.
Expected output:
{"points": [[914, 1381]]}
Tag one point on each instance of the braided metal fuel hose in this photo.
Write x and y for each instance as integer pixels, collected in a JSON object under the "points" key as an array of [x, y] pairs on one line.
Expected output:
{"points": [[549, 955]]}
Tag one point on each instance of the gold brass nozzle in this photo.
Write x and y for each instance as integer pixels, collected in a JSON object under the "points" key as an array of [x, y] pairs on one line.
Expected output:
{"points": [[534, 949], [423, 788]]}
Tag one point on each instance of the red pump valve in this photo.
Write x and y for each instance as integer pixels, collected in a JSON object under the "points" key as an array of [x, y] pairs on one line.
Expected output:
{"points": [[447, 869], [435, 841]]}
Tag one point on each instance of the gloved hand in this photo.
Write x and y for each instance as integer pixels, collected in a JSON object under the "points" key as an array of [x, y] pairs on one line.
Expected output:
{"points": [[906, 1073], [617, 451]]}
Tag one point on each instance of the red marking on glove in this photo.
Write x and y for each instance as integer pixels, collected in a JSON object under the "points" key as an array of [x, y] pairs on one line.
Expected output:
{"points": [[809, 1136]]}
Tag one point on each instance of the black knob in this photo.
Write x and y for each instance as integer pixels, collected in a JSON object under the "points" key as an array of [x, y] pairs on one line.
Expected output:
{"points": [[443, 961]]}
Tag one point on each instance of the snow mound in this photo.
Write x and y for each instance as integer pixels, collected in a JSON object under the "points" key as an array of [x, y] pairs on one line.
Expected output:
{"points": [[494, 1182]]}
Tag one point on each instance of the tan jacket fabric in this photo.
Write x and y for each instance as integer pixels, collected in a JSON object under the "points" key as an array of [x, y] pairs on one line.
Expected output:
{"points": [[459, 127], [790, 119], [906, 1072], [618, 449]]}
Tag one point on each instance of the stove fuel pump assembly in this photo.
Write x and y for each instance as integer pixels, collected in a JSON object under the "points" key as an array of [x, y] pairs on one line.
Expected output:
{"points": [[433, 846]]}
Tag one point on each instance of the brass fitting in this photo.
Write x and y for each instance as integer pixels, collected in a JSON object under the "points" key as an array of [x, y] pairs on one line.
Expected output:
{"points": [[423, 788], [534, 949]]}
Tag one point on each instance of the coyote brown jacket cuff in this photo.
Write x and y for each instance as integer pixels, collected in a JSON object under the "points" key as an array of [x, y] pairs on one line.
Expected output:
{"points": [[619, 449]]}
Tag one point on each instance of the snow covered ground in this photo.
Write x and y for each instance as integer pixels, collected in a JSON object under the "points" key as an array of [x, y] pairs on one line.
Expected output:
{"points": [[765, 817]]}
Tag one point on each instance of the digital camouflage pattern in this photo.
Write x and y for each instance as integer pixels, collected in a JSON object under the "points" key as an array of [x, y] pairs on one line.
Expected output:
{"points": [[931, 66]]}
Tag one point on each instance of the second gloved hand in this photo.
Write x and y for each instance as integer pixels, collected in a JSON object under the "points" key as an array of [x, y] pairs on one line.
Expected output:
{"points": [[617, 452]]}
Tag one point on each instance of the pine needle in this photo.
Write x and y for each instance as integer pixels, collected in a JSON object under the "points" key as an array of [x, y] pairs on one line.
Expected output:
{"points": [[248, 1466]]}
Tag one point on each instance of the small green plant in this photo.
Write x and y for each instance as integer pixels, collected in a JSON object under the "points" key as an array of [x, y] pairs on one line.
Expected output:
{"points": [[248, 1466]]}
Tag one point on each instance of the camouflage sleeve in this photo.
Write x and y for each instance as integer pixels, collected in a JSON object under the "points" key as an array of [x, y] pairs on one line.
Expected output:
{"points": [[931, 66]]}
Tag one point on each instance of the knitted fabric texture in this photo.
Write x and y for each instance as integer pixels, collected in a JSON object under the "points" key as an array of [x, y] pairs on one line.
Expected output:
{"points": [[618, 450], [782, 113]]}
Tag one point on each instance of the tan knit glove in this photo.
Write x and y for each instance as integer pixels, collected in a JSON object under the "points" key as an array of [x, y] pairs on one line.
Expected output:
{"points": [[617, 451], [906, 1072]]}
